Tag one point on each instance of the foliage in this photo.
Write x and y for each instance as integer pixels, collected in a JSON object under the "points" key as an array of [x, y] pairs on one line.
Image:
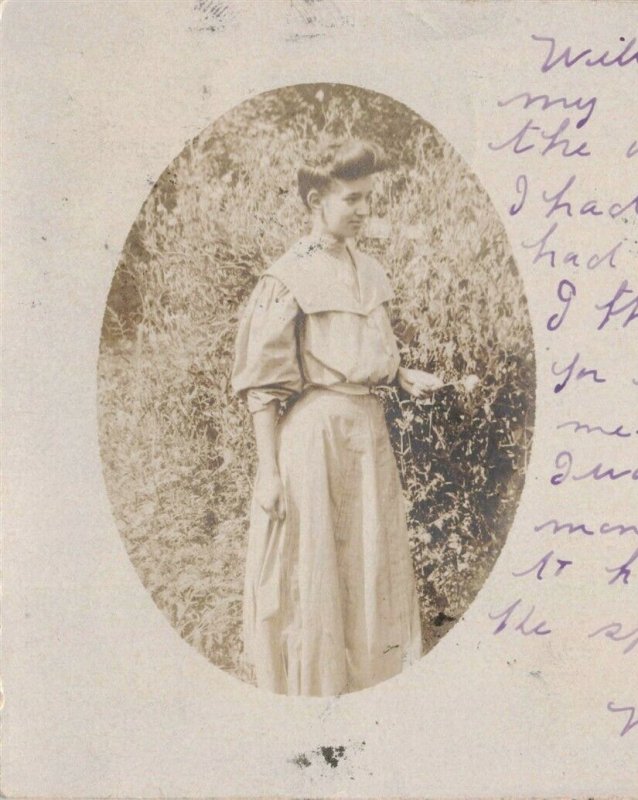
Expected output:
{"points": [[177, 446]]}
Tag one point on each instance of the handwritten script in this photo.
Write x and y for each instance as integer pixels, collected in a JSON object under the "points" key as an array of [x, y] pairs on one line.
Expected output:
{"points": [[582, 238]]}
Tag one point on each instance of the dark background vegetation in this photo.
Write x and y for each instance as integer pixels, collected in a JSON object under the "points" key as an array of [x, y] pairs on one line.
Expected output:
{"points": [[177, 446]]}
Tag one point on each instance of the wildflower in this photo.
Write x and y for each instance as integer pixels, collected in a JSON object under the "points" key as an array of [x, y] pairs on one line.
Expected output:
{"points": [[470, 382]]}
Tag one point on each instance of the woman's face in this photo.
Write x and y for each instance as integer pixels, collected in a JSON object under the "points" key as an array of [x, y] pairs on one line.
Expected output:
{"points": [[343, 208]]}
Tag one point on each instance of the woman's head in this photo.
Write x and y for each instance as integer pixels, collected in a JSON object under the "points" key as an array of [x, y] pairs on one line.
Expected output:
{"points": [[337, 185]]}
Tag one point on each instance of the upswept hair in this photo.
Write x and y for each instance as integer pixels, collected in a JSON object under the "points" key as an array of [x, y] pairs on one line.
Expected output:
{"points": [[347, 160]]}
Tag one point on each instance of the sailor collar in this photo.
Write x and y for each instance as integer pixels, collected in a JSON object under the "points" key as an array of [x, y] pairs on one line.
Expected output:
{"points": [[320, 282]]}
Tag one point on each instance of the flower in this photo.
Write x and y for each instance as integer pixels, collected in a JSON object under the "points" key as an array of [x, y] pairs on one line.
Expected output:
{"points": [[470, 382]]}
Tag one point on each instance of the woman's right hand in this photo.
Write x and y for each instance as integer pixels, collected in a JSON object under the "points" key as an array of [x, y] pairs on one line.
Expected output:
{"points": [[269, 493]]}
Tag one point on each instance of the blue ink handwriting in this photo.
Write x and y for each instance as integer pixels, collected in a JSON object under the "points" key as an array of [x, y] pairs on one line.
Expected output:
{"points": [[628, 54], [520, 144], [570, 372], [539, 566], [615, 632], [631, 722], [586, 530], [624, 570], [619, 431], [565, 460], [546, 102], [613, 307], [559, 201], [524, 626], [566, 293], [570, 258]]}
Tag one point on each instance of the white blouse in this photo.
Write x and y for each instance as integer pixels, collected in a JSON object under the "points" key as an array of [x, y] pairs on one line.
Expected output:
{"points": [[314, 320]]}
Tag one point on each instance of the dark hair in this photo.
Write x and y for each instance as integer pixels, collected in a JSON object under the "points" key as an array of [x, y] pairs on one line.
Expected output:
{"points": [[349, 159]]}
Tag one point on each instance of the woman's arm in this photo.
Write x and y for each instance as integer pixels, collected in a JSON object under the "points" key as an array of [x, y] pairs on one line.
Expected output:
{"points": [[268, 488], [416, 382], [266, 371]]}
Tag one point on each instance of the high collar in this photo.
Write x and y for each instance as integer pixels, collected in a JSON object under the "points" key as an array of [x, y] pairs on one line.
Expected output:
{"points": [[319, 280], [328, 244]]}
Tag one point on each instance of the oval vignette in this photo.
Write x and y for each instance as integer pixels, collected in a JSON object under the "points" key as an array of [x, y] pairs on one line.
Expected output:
{"points": [[177, 447]]}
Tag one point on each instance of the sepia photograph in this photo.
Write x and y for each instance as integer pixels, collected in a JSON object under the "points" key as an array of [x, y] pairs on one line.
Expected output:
{"points": [[316, 389], [319, 399]]}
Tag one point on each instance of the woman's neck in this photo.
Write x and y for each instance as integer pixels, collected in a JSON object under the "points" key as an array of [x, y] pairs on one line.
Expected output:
{"points": [[330, 243]]}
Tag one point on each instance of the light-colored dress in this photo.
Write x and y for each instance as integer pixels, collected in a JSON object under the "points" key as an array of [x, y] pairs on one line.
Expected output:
{"points": [[330, 604]]}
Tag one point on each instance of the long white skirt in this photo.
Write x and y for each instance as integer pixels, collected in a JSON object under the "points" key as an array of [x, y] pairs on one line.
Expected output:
{"points": [[330, 604]]}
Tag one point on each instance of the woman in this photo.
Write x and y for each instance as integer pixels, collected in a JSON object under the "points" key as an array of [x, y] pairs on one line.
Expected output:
{"points": [[330, 604]]}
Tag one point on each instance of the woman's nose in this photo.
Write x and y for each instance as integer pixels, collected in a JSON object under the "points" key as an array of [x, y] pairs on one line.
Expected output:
{"points": [[363, 208]]}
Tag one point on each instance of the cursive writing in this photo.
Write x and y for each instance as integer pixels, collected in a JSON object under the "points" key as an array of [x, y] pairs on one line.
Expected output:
{"points": [[566, 293], [524, 625], [624, 570], [565, 460], [618, 431], [571, 257], [586, 57], [579, 220], [586, 530], [561, 201], [589, 208], [547, 102], [528, 136], [541, 564], [619, 305], [631, 722], [616, 633], [570, 373], [613, 307]]}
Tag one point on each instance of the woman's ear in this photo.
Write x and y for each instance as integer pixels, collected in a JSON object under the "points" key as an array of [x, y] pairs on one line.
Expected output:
{"points": [[314, 200]]}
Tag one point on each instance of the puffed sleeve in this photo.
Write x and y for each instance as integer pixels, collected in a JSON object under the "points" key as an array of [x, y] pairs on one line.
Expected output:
{"points": [[266, 367]]}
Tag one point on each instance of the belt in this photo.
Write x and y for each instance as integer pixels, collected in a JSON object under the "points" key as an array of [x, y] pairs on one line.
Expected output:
{"points": [[345, 388]]}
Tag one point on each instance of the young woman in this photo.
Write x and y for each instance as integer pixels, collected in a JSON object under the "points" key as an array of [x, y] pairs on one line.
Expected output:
{"points": [[330, 604]]}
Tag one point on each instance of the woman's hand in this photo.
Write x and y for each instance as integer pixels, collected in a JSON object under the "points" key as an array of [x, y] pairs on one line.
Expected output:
{"points": [[269, 492], [416, 382]]}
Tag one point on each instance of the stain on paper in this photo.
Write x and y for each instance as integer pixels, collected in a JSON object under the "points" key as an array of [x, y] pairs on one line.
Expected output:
{"points": [[327, 755]]}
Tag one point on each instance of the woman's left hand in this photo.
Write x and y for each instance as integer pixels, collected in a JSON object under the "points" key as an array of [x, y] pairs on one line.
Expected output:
{"points": [[416, 382]]}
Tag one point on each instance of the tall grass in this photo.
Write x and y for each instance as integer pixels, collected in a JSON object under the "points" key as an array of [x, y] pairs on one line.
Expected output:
{"points": [[177, 446]]}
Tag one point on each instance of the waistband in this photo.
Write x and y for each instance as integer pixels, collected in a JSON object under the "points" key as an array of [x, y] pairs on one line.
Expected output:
{"points": [[343, 388]]}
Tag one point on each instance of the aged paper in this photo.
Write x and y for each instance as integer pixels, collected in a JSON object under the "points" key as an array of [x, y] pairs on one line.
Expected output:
{"points": [[534, 691]]}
